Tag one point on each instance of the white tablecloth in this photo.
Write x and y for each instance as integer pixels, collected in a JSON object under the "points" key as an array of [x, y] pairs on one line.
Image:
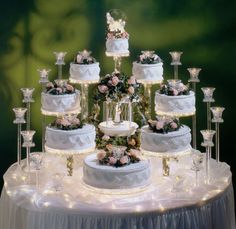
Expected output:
{"points": [[162, 204]]}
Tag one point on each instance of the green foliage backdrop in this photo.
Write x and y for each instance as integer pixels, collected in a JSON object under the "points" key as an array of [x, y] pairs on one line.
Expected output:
{"points": [[31, 30]]}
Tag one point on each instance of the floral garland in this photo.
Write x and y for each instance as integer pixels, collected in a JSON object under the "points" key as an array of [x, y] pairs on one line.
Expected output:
{"points": [[117, 86], [115, 28], [148, 57], [67, 122], [174, 89], [84, 58], [59, 87], [117, 156], [164, 125]]}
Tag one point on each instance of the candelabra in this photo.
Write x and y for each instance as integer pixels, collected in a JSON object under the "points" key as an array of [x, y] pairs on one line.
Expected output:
{"points": [[59, 62], [43, 81], [27, 93], [197, 159], [208, 144], [217, 119], [176, 62], [28, 143], [36, 159], [194, 72], [19, 120]]}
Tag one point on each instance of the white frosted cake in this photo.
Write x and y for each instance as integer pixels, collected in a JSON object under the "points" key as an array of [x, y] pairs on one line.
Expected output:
{"points": [[148, 68], [124, 128], [172, 142], [84, 73], [54, 104], [109, 177], [181, 105], [118, 46], [70, 141], [84, 68]]}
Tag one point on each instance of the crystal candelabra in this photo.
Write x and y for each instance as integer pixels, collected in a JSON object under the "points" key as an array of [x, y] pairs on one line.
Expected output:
{"points": [[28, 143], [43, 81], [19, 120], [36, 159], [208, 99], [27, 93], [194, 72], [197, 159], [176, 62], [208, 144], [217, 119], [59, 62]]}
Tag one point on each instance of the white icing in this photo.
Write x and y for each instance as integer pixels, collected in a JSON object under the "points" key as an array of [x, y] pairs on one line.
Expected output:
{"points": [[84, 72], [117, 46], [181, 105], [109, 177], [68, 103], [75, 141], [148, 72], [172, 142], [124, 128]]}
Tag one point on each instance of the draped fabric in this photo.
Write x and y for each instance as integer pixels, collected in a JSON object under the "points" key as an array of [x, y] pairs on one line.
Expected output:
{"points": [[218, 213]]}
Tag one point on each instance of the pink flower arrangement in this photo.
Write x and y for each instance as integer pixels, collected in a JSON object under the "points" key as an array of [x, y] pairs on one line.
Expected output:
{"points": [[115, 80], [67, 122], [173, 125], [112, 160], [69, 87], [159, 125], [132, 80], [134, 153]]}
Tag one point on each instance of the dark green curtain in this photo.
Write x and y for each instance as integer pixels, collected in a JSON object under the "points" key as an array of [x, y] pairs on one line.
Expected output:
{"points": [[31, 30]]}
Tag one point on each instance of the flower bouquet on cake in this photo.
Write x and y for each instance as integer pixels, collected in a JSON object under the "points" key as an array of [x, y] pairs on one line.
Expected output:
{"points": [[164, 125], [174, 88], [84, 57], [118, 156], [59, 87], [148, 57], [117, 87]]}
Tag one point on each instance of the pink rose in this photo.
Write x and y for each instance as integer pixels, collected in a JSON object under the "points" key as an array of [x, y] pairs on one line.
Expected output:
{"points": [[101, 154], [79, 58], [112, 160], [49, 85], [76, 121], [102, 88], [131, 90], [58, 121], [115, 80], [159, 125], [132, 80], [124, 160], [134, 152], [125, 35], [142, 57], [182, 87], [175, 92], [69, 87], [173, 125], [59, 90], [110, 36], [109, 147], [65, 122]]}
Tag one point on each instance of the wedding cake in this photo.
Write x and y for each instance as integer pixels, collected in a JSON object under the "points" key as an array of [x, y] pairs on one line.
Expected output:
{"points": [[84, 68], [175, 99], [116, 169], [165, 135], [117, 38], [69, 135], [148, 68], [60, 98]]}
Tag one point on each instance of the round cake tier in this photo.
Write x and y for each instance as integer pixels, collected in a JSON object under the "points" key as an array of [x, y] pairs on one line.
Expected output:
{"points": [[117, 47], [172, 142], [124, 128], [179, 106], [84, 73], [109, 177], [148, 73], [76, 141], [60, 104]]}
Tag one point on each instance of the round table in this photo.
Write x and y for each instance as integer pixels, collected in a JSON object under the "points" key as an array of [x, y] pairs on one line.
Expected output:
{"points": [[168, 202]]}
